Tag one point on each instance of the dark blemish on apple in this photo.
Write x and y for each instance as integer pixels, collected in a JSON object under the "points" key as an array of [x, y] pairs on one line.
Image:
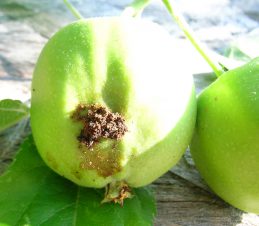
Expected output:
{"points": [[77, 174], [215, 98], [51, 160], [99, 123], [33, 90]]}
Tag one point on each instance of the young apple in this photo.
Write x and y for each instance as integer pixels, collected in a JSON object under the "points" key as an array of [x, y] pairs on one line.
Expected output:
{"points": [[113, 103]]}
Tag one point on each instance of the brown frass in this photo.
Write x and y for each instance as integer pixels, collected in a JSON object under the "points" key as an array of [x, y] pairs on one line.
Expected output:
{"points": [[98, 122]]}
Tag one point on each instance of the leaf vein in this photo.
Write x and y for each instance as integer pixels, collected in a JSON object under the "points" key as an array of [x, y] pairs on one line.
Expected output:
{"points": [[14, 109], [36, 193], [57, 211], [76, 206]]}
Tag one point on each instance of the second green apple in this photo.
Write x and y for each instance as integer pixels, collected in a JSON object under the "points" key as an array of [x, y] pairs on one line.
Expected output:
{"points": [[225, 145]]}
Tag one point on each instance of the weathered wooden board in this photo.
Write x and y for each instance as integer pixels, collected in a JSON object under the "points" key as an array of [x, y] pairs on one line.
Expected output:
{"points": [[25, 25]]}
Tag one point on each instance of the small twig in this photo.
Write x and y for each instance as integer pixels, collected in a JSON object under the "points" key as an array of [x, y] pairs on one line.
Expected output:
{"points": [[73, 10]]}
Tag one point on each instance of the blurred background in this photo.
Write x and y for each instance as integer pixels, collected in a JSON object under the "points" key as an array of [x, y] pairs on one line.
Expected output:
{"points": [[26, 25]]}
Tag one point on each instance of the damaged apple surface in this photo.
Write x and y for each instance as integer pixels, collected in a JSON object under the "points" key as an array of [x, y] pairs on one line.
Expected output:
{"points": [[112, 101]]}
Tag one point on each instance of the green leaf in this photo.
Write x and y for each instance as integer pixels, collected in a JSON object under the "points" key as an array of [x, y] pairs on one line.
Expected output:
{"points": [[136, 8], [11, 112], [10, 140], [245, 48], [32, 194], [234, 52]]}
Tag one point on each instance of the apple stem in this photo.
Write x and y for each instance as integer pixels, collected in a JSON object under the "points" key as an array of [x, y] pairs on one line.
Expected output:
{"points": [[172, 8], [136, 8], [73, 10]]}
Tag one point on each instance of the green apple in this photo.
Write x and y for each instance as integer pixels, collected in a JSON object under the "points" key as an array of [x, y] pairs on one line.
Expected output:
{"points": [[225, 146], [130, 70]]}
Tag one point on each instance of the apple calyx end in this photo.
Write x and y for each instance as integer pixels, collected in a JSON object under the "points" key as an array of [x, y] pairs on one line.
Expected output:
{"points": [[117, 192]]}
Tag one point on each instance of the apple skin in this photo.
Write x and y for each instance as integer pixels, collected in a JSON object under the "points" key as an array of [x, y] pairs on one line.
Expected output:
{"points": [[225, 145], [129, 66]]}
